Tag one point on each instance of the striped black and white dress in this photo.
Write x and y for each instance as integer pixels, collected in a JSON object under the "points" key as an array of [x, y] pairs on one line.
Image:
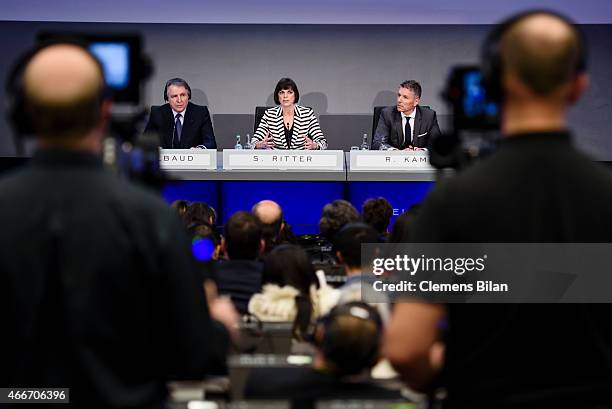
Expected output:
{"points": [[305, 123]]}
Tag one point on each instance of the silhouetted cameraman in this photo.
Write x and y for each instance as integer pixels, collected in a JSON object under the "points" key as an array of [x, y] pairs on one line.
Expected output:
{"points": [[97, 282], [536, 188]]}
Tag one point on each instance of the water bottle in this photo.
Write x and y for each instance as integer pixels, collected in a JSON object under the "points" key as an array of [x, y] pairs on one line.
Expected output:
{"points": [[238, 145], [364, 144], [248, 144]]}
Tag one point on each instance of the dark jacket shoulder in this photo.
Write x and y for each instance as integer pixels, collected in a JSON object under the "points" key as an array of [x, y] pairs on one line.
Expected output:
{"points": [[426, 112], [196, 107], [389, 111]]}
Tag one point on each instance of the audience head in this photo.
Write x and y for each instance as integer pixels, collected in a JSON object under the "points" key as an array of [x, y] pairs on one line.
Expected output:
{"points": [[200, 213], [335, 215], [63, 95], [243, 237], [289, 265], [377, 213], [270, 215], [348, 243], [180, 206], [401, 230], [349, 338]]}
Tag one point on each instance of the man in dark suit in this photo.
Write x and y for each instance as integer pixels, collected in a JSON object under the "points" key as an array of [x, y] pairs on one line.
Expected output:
{"points": [[406, 126], [181, 124]]}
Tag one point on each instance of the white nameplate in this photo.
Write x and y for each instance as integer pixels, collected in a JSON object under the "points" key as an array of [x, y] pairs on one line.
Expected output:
{"points": [[282, 159], [188, 159], [389, 160]]}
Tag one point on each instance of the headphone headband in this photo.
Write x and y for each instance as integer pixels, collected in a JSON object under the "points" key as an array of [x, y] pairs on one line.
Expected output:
{"points": [[334, 345], [19, 117], [491, 66]]}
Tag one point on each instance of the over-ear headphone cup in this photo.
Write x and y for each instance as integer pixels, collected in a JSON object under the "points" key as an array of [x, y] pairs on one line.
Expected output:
{"points": [[491, 64], [16, 109]]}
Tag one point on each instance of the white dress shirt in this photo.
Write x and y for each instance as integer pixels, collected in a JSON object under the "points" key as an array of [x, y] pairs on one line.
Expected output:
{"points": [[182, 118]]}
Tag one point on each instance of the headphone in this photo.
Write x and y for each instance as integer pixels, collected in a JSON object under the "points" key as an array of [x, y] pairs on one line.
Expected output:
{"points": [[179, 82], [334, 349], [491, 58], [17, 110]]}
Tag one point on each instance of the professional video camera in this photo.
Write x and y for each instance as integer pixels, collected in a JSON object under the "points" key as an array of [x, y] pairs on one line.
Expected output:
{"points": [[475, 124], [126, 68]]}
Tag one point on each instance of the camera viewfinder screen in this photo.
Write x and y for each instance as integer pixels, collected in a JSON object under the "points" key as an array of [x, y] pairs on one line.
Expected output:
{"points": [[474, 97], [115, 59]]}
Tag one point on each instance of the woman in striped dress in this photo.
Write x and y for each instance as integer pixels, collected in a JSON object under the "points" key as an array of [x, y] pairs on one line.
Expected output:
{"points": [[288, 125]]}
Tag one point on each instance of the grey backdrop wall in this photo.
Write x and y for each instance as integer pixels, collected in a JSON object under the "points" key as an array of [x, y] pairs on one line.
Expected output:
{"points": [[343, 71]]}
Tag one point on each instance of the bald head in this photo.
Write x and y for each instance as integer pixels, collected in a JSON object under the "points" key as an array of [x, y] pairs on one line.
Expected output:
{"points": [[542, 51], [63, 90], [270, 215], [268, 211]]}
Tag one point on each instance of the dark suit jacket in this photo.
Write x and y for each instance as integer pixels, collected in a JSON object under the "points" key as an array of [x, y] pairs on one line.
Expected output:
{"points": [[389, 132], [197, 127]]}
